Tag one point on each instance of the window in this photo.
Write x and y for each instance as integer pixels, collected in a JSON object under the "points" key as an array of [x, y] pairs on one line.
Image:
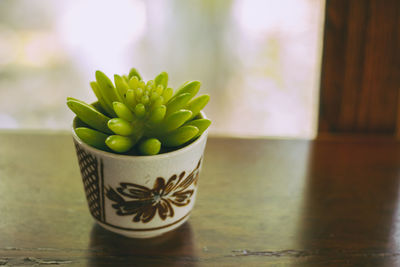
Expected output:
{"points": [[259, 60]]}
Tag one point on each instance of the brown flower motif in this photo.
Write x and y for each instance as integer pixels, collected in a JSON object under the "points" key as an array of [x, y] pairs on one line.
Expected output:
{"points": [[144, 202]]}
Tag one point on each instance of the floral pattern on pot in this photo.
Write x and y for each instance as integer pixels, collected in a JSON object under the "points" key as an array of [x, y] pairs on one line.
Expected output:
{"points": [[144, 203]]}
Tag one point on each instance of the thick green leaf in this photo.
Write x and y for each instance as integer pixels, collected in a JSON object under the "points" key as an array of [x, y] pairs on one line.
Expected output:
{"points": [[149, 146], [177, 103], [180, 136], [197, 104], [121, 126], [119, 143], [92, 137], [88, 114], [162, 79], [123, 111], [134, 72], [201, 124]]}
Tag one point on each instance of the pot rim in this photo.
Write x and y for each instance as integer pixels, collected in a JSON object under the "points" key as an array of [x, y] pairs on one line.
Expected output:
{"points": [[130, 157]]}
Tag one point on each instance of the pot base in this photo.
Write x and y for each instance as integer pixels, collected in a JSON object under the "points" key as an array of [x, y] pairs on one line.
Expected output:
{"points": [[145, 233]]}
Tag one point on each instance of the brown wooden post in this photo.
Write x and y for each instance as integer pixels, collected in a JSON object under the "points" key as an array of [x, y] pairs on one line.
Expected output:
{"points": [[360, 77]]}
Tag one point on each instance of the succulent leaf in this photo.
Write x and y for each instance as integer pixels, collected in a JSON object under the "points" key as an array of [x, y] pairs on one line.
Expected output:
{"points": [[140, 110], [89, 115], [201, 124], [121, 85], [197, 104], [149, 146], [161, 79], [134, 72], [177, 119], [191, 87], [177, 103], [119, 143], [96, 90], [130, 99], [167, 94], [133, 82], [123, 111], [180, 136], [121, 127], [92, 137], [107, 89], [157, 115]]}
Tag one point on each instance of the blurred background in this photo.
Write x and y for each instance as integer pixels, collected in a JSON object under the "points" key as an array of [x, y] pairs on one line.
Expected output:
{"points": [[259, 60]]}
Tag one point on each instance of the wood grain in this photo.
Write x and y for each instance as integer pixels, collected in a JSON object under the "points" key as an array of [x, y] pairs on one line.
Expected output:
{"points": [[285, 202], [360, 76]]}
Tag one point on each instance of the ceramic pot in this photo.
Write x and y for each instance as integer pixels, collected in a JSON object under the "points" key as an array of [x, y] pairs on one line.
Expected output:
{"points": [[140, 196]]}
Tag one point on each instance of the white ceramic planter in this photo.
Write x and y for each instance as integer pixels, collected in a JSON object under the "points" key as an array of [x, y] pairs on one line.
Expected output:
{"points": [[140, 196]]}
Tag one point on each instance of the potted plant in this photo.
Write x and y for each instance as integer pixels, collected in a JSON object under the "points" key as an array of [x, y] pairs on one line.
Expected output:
{"points": [[140, 150]]}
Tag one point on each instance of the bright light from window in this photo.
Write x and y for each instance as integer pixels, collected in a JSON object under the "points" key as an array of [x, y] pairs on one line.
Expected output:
{"points": [[258, 17], [98, 32]]}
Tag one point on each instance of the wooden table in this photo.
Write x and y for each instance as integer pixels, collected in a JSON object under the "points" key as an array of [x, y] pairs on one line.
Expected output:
{"points": [[260, 202]]}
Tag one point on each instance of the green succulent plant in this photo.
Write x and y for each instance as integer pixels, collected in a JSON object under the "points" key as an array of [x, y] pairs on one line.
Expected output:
{"points": [[134, 117]]}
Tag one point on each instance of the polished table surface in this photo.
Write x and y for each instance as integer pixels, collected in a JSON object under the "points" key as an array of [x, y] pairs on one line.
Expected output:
{"points": [[261, 202]]}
